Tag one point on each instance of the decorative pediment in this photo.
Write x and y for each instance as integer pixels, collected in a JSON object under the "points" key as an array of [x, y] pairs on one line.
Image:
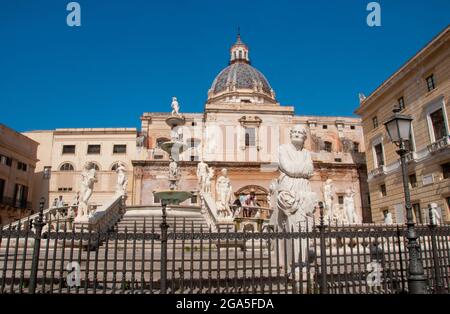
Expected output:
{"points": [[250, 120]]}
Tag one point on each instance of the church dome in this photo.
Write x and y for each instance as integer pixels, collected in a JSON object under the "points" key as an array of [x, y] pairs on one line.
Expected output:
{"points": [[240, 75], [239, 81]]}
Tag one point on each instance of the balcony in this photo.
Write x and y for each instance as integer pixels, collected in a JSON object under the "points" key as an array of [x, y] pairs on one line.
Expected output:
{"points": [[439, 145], [411, 157], [381, 170], [10, 202]]}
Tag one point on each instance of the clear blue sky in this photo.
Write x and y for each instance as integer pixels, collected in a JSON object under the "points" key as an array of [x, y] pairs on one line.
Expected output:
{"points": [[132, 56]]}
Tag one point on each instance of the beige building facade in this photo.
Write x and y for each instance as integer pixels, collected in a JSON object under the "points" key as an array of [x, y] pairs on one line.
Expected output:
{"points": [[17, 165], [64, 152], [421, 89]]}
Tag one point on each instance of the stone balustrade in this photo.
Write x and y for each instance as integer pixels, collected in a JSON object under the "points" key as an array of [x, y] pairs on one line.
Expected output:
{"points": [[439, 145], [105, 217]]}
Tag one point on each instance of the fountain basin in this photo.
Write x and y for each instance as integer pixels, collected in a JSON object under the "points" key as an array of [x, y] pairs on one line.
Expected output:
{"points": [[174, 148], [172, 197], [174, 121]]}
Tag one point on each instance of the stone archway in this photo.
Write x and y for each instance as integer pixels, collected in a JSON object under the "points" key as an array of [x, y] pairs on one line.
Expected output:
{"points": [[261, 193]]}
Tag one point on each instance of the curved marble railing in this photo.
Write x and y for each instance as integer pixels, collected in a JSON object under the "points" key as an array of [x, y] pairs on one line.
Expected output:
{"points": [[105, 217], [209, 211]]}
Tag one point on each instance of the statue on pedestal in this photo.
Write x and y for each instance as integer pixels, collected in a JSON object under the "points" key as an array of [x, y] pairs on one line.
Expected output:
{"points": [[202, 175], [295, 199], [173, 173], [175, 107], [208, 180], [435, 216], [328, 196], [122, 180], [224, 191], [88, 178], [349, 207]]}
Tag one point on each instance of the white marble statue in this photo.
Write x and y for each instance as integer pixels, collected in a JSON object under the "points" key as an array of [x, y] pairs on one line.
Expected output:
{"points": [[175, 106], [202, 175], [328, 197], [388, 219], [224, 191], [362, 97], [88, 178], [208, 180], [173, 172], [122, 179], [435, 215], [295, 199], [349, 207]]}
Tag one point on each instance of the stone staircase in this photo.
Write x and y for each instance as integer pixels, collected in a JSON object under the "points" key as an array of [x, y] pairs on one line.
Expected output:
{"points": [[148, 220]]}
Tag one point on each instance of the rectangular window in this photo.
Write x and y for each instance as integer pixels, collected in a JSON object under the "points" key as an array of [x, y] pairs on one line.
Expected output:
{"points": [[2, 189], [68, 149], [352, 127], [446, 170], [324, 126], [417, 213], [375, 122], [412, 181], [6, 160], [438, 124], [328, 147], [119, 149], [379, 154], [93, 149], [341, 199], [156, 199], [20, 196], [250, 137], [430, 83], [383, 190], [22, 166], [401, 103]]}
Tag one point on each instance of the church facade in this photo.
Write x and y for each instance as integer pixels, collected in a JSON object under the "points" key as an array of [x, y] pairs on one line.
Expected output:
{"points": [[240, 129]]}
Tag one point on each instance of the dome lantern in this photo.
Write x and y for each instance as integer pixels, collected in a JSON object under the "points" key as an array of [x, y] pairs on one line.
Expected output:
{"points": [[239, 51]]}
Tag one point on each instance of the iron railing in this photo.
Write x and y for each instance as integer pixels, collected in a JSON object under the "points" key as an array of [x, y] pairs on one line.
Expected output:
{"points": [[319, 259]]}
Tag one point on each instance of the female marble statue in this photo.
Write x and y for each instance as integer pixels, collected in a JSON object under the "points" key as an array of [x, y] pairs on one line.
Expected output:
{"points": [[388, 219], [224, 191], [122, 180], [208, 180], [435, 216], [328, 196], [349, 207], [88, 178]]}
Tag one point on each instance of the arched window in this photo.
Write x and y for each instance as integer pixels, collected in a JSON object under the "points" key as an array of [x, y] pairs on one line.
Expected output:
{"points": [[66, 167]]}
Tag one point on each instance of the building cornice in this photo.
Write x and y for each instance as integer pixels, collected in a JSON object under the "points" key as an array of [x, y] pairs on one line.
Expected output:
{"points": [[438, 41]]}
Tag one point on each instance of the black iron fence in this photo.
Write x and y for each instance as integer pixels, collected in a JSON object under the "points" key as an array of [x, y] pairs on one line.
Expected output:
{"points": [[179, 257]]}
